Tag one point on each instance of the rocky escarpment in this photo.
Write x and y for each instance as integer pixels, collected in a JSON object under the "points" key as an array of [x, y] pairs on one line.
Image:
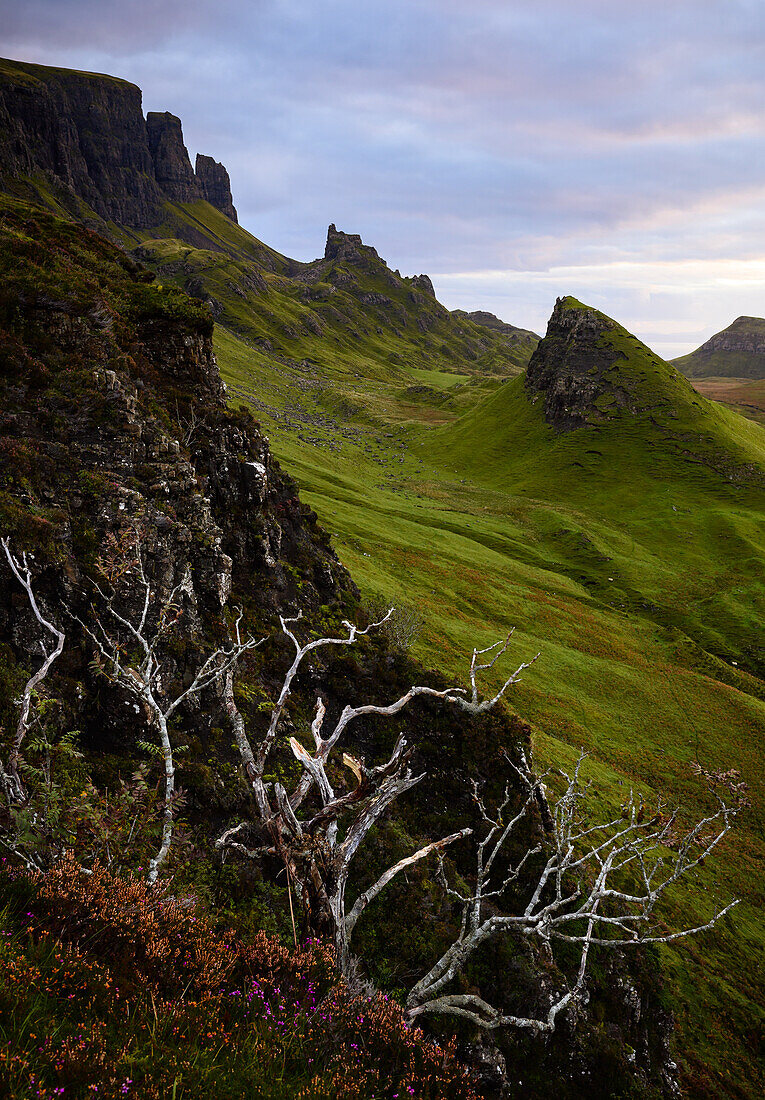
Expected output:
{"points": [[568, 371], [736, 352], [115, 419], [214, 181], [83, 136]]}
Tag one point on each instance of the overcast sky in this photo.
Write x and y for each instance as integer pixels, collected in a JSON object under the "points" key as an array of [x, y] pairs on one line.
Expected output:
{"points": [[514, 150]]}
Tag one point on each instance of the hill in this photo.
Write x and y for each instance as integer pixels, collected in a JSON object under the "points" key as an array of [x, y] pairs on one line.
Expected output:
{"points": [[615, 518], [736, 352]]}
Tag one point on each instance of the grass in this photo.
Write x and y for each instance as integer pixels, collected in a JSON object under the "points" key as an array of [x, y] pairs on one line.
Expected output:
{"points": [[631, 554]]}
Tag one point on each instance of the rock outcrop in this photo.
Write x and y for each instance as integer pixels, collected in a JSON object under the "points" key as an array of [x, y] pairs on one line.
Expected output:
{"points": [[348, 247], [215, 185], [172, 167], [86, 136], [423, 282], [568, 369]]}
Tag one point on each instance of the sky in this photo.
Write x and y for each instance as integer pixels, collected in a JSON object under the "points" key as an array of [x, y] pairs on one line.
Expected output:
{"points": [[514, 150]]}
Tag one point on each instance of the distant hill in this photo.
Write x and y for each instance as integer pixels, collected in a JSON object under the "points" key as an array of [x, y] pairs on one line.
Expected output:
{"points": [[516, 337], [736, 352]]}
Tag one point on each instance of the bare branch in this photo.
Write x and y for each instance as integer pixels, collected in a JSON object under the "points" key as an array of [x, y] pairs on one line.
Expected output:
{"points": [[572, 885], [11, 779]]}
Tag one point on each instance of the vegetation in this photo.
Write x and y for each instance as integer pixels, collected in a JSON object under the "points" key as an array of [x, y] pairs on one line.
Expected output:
{"points": [[112, 988]]}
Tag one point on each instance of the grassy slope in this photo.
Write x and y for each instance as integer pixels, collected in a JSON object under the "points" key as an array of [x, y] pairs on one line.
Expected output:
{"points": [[625, 554]]}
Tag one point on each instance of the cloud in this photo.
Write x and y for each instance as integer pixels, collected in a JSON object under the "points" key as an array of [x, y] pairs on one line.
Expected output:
{"points": [[500, 135]]}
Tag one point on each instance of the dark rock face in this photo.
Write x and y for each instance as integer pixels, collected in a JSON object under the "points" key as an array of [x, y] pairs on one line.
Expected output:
{"points": [[172, 167], [215, 185], [348, 247], [87, 132], [87, 135], [569, 366], [422, 282]]}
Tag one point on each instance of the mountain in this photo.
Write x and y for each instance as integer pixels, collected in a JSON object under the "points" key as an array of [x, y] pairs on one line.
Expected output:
{"points": [[736, 352], [79, 143]]}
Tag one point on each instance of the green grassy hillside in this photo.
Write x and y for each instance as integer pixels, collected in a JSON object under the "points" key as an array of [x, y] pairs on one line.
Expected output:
{"points": [[630, 552], [347, 314]]}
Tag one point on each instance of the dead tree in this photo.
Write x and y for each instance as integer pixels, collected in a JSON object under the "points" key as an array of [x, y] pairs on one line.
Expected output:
{"points": [[129, 652], [307, 840], [10, 777], [594, 885]]}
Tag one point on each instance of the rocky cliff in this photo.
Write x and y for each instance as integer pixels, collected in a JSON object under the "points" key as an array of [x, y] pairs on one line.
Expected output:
{"points": [[214, 181], [736, 352], [569, 369], [83, 137]]}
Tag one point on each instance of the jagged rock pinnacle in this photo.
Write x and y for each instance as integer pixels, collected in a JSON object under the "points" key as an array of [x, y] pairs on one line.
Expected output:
{"points": [[569, 365]]}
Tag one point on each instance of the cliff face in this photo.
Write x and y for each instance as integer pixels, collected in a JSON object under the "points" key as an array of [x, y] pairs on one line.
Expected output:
{"points": [[214, 181], [172, 167], [87, 132], [86, 135]]}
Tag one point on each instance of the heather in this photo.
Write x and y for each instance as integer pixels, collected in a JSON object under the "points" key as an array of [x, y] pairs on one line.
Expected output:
{"points": [[113, 988]]}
